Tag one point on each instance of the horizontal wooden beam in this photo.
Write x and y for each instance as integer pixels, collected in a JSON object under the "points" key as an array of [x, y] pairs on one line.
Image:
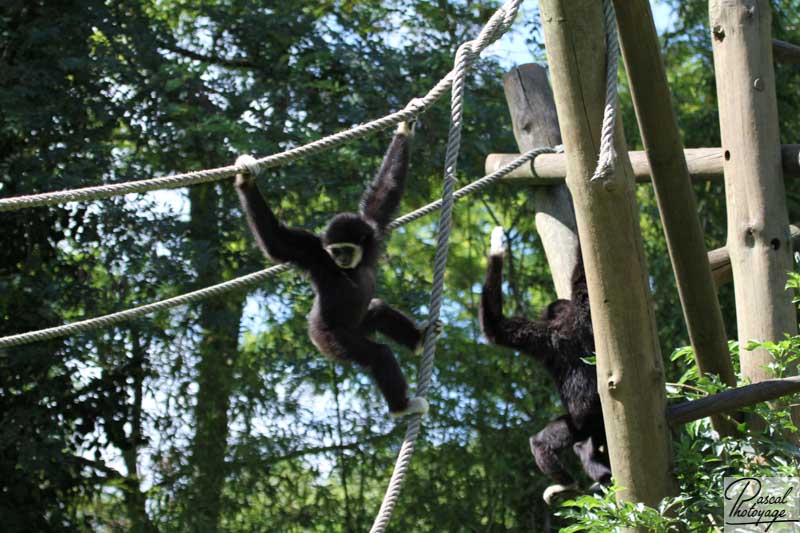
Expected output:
{"points": [[720, 259], [786, 53], [704, 164], [732, 400]]}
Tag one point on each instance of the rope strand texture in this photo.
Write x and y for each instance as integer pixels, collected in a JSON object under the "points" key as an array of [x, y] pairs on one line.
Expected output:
{"points": [[248, 280], [495, 27], [498, 24], [607, 159]]}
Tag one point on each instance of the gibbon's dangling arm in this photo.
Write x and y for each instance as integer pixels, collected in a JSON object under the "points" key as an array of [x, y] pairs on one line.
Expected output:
{"points": [[531, 336], [278, 242], [382, 197]]}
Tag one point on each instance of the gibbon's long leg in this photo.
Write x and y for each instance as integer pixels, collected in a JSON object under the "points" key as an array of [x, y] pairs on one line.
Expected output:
{"points": [[531, 336], [382, 197], [548, 443], [594, 462], [381, 363], [392, 323], [278, 242]]}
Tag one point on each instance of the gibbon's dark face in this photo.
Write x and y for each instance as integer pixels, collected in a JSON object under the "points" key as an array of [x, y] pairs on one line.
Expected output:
{"points": [[346, 239]]}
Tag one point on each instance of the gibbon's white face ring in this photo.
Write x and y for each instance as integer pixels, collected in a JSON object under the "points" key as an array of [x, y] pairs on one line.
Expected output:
{"points": [[345, 254]]}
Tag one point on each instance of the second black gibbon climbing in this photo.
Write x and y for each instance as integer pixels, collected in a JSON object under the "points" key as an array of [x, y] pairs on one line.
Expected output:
{"points": [[342, 265], [560, 339]]}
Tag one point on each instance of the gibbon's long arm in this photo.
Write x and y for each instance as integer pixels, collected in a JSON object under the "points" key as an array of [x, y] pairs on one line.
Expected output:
{"points": [[382, 197], [278, 242], [530, 336]]}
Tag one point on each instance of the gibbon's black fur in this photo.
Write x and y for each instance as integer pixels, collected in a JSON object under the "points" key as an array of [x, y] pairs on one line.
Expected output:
{"points": [[559, 339], [342, 264]]}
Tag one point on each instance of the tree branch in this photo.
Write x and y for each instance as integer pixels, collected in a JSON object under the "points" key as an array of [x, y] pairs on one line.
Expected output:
{"points": [[733, 399]]}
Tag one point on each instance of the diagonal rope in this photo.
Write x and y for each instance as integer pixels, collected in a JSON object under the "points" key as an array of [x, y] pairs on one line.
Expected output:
{"points": [[136, 312], [607, 158], [248, 280], [496, 26]]}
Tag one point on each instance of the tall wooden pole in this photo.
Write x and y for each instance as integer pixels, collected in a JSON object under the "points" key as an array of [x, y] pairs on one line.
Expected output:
{"points": [[673, 187], [533, 115], [629, 367], [758, 224]]}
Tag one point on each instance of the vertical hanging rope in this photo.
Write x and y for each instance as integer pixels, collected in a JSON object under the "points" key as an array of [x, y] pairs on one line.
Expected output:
{"points": [[497, 25], [607, 158]]}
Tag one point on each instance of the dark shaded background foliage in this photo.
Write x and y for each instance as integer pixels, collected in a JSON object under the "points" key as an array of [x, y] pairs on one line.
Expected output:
{"points": [[222, 415]]}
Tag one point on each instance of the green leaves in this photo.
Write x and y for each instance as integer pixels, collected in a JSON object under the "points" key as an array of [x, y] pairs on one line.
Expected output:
{"points": [[605, 513]]}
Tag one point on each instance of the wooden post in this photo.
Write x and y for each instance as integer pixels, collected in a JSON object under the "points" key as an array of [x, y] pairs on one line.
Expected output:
{"points": [[758, 224], [720, 259], [673, 187], [629, 368], [533, 115]]}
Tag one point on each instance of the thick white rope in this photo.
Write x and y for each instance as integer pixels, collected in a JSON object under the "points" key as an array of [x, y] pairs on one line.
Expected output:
{"points": [[412, 109], [248, 280], [607, 158], [498, 24]]}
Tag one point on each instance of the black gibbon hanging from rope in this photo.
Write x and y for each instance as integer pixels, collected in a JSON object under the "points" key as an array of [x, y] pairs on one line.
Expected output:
{"points": [[342, 265], [560, 339]]}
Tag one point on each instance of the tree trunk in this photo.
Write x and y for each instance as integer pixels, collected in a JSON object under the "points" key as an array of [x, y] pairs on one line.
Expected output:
{"points": [[673, 187], [758, 223], [135, 501], [219, 327], [533, 114]]}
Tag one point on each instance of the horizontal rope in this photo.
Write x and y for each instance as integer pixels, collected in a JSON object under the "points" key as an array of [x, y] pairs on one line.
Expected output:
{"points": [[243, 281], [412, 109]]}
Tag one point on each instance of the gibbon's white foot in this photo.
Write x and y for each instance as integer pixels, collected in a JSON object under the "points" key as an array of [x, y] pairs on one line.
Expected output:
{"points": [[415, 406], [436, 327], [497, 247], [596, 488], [553, 490]]}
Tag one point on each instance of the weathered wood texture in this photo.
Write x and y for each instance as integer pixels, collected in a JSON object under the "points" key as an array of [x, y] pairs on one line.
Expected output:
{"points": [[758, 225], [677, 206], [720, 259], [533, 115], [629, 367], [731, 400], [704, 164], [786, 53]]}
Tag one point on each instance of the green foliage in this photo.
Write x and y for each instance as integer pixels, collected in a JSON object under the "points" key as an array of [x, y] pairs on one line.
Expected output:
{"points": [[133, 427], [605, 513], [702, 458]]}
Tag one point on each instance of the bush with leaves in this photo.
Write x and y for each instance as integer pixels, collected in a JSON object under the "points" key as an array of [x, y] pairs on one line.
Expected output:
{"points": [[702, 458]]}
